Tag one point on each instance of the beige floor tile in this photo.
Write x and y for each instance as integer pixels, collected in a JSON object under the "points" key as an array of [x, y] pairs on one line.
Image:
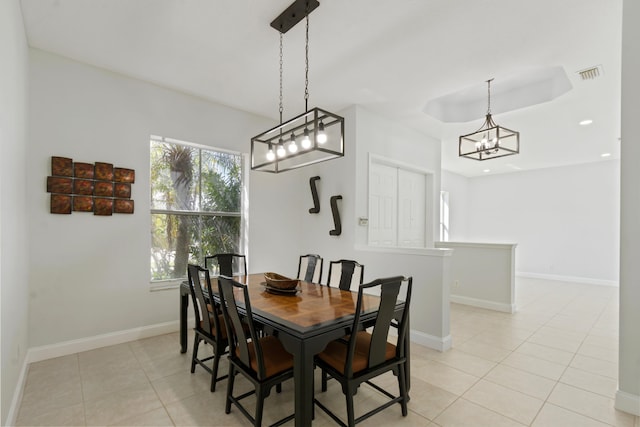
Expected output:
{"points": [[463, 413], [155, 418], [535, 366], [546, 353], [602, 341], [483, 350], [443, 376], [175, 363], [121, 405], [428, 400], [597, 352], [561, 340], [155, 347], [554, 416], [114, 354], [53, 392], [111, 378], [204, 410], [589, 404], [505, 401], [595, 366], [519, 380], [604, 386], [184, 384], [68, 416], [462, 361]]}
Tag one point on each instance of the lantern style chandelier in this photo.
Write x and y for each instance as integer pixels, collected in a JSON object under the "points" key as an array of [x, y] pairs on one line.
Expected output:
{"points": [[311, 137], [490, 141]]}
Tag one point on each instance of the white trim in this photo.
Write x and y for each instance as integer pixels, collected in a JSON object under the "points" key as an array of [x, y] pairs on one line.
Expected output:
{"points": [[573, 279], [65, 348], [408, 251], [482, 303], [17, 394], [627, 402], [431, 341]]}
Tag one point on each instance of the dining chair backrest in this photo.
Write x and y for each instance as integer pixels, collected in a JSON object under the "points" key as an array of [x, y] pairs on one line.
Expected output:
{"points": [[345, 273], [207, 320], [241, 334], [389, 291], [228, 264], [310, 268]]}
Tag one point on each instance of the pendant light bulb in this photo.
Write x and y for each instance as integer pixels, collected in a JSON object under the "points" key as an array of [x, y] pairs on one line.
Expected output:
{"points": [[292, 145], [306, 141], [271, 156], [281, 151], [322, 136]]}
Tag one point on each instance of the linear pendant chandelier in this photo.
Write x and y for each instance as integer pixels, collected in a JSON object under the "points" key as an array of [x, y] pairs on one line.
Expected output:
{"points": [[314, 136], [490, 141]]}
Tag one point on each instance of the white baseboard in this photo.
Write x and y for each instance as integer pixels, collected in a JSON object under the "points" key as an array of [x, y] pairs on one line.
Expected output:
{"points": [[65, 348], [431, 341], [572, 279], [628, 402], [12, 416], [489, 305]]}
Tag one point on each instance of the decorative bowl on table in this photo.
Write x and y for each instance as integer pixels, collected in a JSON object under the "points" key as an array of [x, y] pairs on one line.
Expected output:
{"points": [[278, 282]]}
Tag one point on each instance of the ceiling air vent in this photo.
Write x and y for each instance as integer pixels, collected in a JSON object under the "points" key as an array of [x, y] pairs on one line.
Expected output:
{"points": [[591, 72]]}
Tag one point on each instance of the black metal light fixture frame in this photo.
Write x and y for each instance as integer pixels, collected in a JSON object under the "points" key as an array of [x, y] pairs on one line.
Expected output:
{"points": [[282, 148], [490, 141]]}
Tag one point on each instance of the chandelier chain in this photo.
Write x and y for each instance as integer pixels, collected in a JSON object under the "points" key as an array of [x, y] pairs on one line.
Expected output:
{"points": [[306, 67], [281, 108], [489, 96]]}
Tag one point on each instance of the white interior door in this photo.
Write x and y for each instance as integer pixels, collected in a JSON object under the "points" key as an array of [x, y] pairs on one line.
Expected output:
{"points": [[383, 190], [411, 209]]}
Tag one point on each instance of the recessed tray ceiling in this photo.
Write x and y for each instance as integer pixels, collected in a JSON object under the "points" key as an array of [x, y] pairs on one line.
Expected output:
{"points": [[507, 94]]}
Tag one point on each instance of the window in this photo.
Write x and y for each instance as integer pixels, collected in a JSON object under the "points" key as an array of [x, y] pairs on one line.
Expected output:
{"points": [[399, 197], [196, 205], [444, 216]]}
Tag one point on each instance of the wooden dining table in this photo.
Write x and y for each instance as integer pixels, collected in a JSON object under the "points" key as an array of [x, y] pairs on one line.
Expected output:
{"points": [[304, 321]]}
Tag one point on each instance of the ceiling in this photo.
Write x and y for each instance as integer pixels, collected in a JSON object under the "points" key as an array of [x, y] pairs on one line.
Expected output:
{"points": [[390, 57]]}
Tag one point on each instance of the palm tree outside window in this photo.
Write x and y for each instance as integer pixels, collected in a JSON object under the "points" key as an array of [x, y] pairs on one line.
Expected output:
{"points": [[196, 205]]}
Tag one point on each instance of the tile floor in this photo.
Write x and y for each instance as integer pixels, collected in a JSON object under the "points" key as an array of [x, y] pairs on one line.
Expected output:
{"points": [[553, 363]]}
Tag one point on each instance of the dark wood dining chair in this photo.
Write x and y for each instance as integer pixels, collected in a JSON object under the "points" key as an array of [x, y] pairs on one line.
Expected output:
{"points": [[229, 264], [310, 268], [209, 326], [345, 273], [262, 360], [362, 356]]}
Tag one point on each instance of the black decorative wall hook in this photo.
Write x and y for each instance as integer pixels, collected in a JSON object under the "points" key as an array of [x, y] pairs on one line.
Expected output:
{"points": [[314, 194], [336, 216]]}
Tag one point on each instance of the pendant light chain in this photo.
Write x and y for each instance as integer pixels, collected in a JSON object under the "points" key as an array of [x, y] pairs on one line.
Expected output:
{"points": [[281, 108], [489, 96], [306, 68]]}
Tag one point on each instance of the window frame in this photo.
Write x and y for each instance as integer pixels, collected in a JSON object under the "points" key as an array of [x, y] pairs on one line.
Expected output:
{"points": [[160, 284]]}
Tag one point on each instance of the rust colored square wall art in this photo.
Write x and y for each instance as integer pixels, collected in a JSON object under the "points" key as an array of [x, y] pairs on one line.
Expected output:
{"points": [[100, 188]]}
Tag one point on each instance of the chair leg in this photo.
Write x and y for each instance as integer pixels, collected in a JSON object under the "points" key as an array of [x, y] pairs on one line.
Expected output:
{"points": [[324, 380], [216, 362], [350, 412], [259, 405], [279, 388], [402, 385], [230, 380], [194, 355]]}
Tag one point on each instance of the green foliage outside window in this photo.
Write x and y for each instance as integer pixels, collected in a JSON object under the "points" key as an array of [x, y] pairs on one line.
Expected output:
{"points": [[195, 206]]}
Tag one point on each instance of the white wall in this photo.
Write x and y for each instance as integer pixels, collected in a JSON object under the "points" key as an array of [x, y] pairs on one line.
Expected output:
{"points": [[365, 134], [458, 188], [628, 395], [90, 275], [564, 220], [14, 271]]}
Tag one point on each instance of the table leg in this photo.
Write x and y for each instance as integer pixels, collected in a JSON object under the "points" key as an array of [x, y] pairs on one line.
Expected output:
{"points": [[303, 352], [184, 304]]}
